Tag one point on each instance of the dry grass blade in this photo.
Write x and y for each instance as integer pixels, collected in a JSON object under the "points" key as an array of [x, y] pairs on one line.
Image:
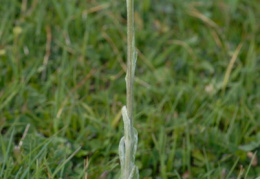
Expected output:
{"points": [[195, 13], [230, 66]]}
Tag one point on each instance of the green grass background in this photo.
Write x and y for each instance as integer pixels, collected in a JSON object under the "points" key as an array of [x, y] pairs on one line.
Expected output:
{"points": [[62, 69]]}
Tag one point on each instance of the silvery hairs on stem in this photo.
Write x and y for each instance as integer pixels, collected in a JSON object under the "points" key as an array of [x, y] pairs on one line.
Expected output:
{"points": [[129, 140], [128, 143]]}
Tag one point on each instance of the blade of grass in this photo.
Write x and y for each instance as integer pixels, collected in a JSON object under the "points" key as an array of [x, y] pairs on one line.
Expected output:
{"points": [[253, 158], [6, 155], [232, 169], [230, 66], [61, 166]]}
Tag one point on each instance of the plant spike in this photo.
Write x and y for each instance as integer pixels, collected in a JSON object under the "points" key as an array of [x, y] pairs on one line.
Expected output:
{"points": [[128, 143]]}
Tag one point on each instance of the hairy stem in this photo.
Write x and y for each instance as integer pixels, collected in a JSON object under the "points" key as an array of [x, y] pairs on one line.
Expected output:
{"points": [[128, 143], [130, 58]]}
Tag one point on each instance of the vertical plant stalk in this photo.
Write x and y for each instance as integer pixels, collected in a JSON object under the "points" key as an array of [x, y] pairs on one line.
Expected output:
{"points": [[128, 143]]}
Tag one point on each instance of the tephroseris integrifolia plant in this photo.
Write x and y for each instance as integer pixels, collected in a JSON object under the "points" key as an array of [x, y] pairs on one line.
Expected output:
{"points": [[128, 143]]}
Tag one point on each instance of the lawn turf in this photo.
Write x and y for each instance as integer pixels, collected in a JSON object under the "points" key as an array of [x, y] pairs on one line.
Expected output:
{"points": [[197, 88]]}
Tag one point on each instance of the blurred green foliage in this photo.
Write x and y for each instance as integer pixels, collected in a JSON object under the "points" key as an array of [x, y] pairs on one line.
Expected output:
{"points": [[62, 68]]}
